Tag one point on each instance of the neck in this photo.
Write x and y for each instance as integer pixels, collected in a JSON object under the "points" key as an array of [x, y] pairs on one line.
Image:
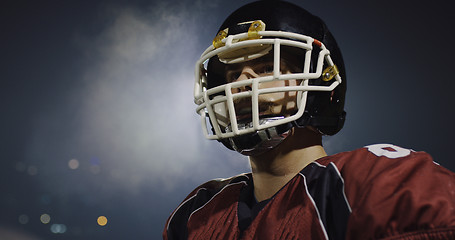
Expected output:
{"points": [[273, 169]]}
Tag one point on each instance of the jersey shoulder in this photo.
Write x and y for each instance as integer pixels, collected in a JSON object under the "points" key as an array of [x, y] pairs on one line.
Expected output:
{"points": [[176, 224], [385, 167], [381, 159], [400, 190], [374, 154], [215, 185]]}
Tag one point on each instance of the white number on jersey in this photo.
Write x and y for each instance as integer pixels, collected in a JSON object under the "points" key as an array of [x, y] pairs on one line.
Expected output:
{"points": [[388, 150]]}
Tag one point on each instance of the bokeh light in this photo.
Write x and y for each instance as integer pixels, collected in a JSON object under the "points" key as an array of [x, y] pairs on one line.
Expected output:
{"points": [[102, 220], [32, 170], [73, 164], [58, 228], [23, 219], [45, 218]]}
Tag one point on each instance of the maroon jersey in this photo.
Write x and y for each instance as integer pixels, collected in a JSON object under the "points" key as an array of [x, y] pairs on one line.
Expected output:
{"points": [[377, 192]]}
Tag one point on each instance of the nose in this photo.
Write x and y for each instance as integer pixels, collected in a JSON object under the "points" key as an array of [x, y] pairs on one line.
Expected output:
{"points": [[245, 74]]}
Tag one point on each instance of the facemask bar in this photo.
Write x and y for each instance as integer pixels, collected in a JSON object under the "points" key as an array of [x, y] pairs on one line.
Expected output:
{"points": [[218, 103]]}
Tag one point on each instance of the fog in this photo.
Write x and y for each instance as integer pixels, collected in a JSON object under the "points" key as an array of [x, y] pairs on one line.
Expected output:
{"points": [[99, 120]]}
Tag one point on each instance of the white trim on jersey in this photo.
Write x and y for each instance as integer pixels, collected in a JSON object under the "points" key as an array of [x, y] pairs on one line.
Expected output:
{"points": [[315, 207], [344, 192], [342, 180], [216, 194], [183, 203], [200, 189]]}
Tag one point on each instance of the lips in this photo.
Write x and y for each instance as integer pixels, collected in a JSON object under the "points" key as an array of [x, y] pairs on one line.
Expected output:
{"points": [[244, 113], [244, 118]]}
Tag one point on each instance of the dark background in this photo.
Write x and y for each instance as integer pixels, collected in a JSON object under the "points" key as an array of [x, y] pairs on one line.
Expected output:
{"points": [[97, 116]]}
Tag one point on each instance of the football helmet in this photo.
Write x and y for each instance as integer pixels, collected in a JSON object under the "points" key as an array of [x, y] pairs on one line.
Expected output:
{"points": [[278, 34]]}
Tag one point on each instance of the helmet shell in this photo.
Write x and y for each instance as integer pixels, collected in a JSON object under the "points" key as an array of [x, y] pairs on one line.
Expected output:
{"points": [[323, 110]]}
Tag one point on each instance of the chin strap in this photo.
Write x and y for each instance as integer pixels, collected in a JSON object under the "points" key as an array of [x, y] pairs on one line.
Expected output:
{"points": [[264, 140], [326, 125], [260, 141]]}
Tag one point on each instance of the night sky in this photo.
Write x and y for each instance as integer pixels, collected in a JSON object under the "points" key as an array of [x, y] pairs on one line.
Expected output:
{"points": [[98, 121]]}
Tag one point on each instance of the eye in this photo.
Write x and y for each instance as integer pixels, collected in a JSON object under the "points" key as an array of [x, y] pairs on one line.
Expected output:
{"points": [[232, 76], [266, 69], [286, 66]]}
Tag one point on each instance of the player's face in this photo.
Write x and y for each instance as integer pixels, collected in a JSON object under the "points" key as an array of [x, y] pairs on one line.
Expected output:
{"points": [[271, 104]]}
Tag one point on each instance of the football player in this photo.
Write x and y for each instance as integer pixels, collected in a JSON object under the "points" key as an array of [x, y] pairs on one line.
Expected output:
{"points": [[270, 85]]}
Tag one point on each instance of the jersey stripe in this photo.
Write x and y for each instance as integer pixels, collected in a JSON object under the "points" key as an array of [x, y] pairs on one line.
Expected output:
{"points": [[343, 190], [326, 188], [228, 185], [181, 205], [315, 207]]}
